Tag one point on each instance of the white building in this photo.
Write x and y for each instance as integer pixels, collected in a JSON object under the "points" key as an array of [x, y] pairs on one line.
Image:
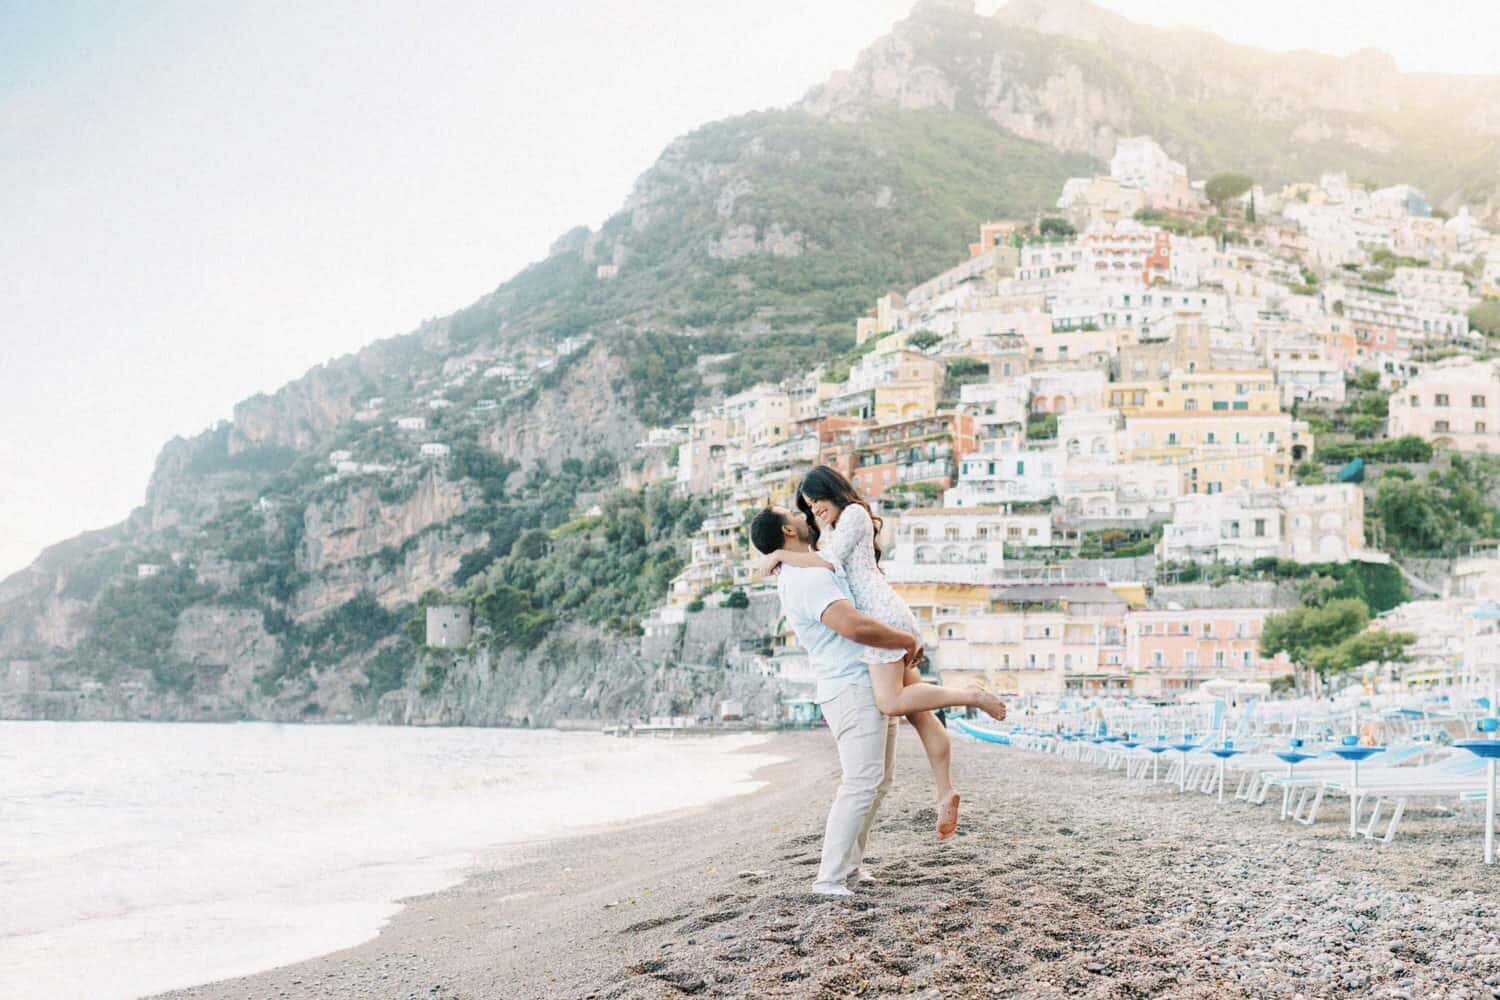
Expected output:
{"points": [[412, 423], [1309, 378], [1141, 163], [1307, 524], [146, 570], [434, 449], [1448, 289], [948, 545], [1000, 473]]}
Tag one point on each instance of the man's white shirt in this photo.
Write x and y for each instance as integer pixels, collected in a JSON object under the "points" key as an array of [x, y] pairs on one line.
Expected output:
{"points": [[805, 595]]}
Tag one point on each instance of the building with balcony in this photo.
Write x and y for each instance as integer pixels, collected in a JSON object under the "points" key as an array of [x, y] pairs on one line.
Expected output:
{"points": [[1307, 524], [1456, 401], [1171, 651], [910, 451], [953, 545]]}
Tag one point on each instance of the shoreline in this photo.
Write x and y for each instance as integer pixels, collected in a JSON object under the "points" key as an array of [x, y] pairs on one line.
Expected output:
{"points": [[512, 888]]}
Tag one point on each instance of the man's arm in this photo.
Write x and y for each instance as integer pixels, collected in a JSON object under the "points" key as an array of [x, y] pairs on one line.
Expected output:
{"points": [[843, 618]]}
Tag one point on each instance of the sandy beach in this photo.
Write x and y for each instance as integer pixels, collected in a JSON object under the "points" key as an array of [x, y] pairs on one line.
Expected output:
{"points": [[1062, 882]]}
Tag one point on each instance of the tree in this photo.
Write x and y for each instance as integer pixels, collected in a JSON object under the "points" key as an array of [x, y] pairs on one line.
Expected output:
{"points": [[1250, 209], [1485, 318], [1224, 188], [1413, 514], [1365, 425], [533, 544], [737, 599], [512, 616], [1371, 646], [1304, 630], [1055, 226], [923, 339]]}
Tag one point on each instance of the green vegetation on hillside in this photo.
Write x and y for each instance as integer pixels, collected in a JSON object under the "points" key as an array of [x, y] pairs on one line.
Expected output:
{"points": [[1445, 513], [132, 623], [875, 206], [609, 570]]}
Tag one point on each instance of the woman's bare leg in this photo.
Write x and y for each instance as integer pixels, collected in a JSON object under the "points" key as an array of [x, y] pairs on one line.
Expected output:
{"points": [[893, 696], [939, 750]]}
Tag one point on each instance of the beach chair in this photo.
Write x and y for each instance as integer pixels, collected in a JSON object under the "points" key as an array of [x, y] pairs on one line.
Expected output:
{"points": [[1453, 778]]}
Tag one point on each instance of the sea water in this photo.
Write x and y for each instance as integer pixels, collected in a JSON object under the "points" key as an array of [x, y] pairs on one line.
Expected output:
{"points": [[139, 857]]}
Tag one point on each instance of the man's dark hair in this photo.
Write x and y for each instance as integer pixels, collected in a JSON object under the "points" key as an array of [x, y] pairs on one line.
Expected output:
{"points": [[765, 531]]}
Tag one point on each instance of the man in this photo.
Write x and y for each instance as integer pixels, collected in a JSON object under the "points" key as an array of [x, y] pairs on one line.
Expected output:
{"points": [[817, 606]]}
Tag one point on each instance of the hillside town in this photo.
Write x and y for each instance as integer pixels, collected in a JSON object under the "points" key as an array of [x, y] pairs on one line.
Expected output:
{"points": [[1065, 428]]}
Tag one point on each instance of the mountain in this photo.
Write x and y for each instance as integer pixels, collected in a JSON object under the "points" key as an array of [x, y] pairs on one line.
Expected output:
{"points": [[1076, 77], [280, 564]]}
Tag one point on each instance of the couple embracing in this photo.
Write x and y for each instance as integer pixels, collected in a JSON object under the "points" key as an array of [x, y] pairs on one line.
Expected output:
{"points": [[864, 644]]}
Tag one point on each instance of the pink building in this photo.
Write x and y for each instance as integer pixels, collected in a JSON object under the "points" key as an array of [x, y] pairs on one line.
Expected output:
{"points": [[1178, 650]]}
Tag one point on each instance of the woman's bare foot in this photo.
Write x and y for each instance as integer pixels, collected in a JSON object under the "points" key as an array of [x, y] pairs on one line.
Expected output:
{"points": [[990, 703], [947, 815]]}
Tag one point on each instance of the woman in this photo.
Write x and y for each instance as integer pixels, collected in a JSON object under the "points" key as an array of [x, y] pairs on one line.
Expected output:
{"points": [[845, 534]]}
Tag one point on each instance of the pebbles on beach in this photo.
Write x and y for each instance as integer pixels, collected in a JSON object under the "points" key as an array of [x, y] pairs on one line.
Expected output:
{"points": [[1065, 881]]}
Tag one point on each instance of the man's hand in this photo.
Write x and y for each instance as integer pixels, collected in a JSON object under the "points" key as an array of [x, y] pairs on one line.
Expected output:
{"points": [[771, 563], [913, 653]]}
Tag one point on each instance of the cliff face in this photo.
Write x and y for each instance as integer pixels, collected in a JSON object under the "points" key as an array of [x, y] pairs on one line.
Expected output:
{"points": [[584, 413]]}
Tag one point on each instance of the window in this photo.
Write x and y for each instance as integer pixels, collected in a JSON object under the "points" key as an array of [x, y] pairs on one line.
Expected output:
{"points": [[1477, 402], [1208, 630], [1441, 399], [1415, 400], [1440, 426], [1191, 404], [1221, 404], [1479, 427], [1157, 659]]}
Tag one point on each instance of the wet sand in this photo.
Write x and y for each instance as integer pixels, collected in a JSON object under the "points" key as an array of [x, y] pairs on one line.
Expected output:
{"points": [[1063, 881]]}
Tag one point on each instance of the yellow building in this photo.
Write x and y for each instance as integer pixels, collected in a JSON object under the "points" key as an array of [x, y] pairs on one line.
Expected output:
{"points": [[1228, 417], [762, 415], [908, 387]]}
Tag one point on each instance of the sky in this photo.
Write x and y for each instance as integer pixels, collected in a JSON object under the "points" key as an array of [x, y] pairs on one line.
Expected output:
{"points": [[199, 202]]}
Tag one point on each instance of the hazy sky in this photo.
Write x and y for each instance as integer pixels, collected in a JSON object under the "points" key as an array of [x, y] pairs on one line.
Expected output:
{"points": [[199, 202]]}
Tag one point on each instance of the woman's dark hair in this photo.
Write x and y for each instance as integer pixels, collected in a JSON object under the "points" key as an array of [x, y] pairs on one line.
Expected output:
{"points": [[824, 482]]}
